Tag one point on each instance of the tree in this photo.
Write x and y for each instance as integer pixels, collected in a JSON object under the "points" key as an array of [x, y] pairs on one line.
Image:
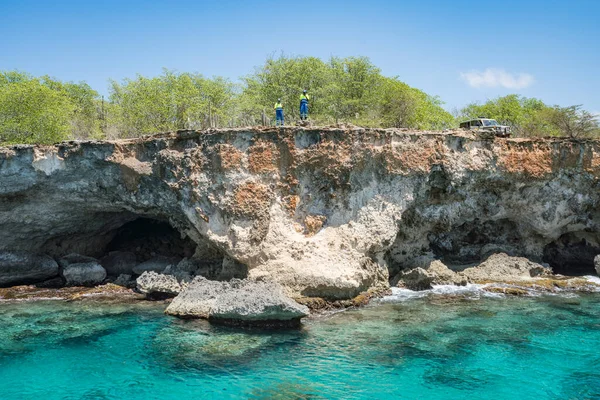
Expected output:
{"points": [[169, 102], [31, 111], [574, 122], [285, 78]]}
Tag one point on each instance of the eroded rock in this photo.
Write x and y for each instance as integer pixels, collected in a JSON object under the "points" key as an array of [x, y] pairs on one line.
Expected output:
{"points": [[17, 268], [155, 284], [83, 274], [502, 267], [237, 302]]}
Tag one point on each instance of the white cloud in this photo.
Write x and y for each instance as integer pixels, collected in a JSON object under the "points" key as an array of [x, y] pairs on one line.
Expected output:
{"points": [[494, 77]]}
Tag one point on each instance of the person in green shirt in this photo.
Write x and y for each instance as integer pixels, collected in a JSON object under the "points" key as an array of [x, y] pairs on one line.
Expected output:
{"points": [[304, 105], [278, 113]]}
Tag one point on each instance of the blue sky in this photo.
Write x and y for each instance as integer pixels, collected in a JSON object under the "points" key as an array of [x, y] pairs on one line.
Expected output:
{"points": [[462, 51]]}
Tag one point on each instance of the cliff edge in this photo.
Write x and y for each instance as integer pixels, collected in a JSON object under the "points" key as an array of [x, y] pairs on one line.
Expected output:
{"points": [[326, 212]]}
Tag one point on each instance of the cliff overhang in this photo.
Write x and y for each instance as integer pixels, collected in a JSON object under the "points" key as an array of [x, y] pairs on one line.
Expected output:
{"points": [[326, 212]]}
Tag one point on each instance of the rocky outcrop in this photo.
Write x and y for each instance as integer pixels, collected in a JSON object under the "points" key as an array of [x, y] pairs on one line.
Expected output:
{"points": [[239, 302], [327, 212], [18, 268], [79, 270], [155, 284], [498, 267], [597, 264], [83, 274], [502, 267]]}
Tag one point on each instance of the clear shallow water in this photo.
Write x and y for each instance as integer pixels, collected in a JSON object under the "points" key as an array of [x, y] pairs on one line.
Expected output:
{"points": [[438, 347]]}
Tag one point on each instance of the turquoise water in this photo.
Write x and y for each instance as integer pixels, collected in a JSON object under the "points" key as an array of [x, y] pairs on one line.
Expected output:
{"points": [[439, 347]]}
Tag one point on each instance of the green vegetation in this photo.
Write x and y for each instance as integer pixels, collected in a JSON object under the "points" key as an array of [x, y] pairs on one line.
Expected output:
{"points": [[531, 117], [342, 90]]}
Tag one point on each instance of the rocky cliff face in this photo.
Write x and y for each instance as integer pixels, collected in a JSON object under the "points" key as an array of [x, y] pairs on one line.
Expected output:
{"points": [[324, 212]]}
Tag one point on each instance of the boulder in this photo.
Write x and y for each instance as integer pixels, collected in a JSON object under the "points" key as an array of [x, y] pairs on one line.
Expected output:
{"points": [[502, 267], [152, 283], [74, 258], [125, 281], [243, 302], [432, 272], [83, 274], [597, 264], [119, 262], [155, 264], [250, 302], [17, 268], [197, 299], [415, 279]]}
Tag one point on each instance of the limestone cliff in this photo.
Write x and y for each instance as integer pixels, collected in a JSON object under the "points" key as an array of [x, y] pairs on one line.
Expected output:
{"points": [[324, 211]]}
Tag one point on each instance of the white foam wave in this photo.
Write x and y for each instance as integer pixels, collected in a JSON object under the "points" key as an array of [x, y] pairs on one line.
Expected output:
{"points": [[593, 279], [469, 291]]}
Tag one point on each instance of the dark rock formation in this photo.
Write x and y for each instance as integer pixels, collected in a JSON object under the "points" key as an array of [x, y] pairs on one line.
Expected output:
{"points": [[17, 268]]}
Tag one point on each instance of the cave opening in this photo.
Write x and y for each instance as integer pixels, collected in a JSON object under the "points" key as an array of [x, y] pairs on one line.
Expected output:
{"points": [[573, 254], [148, 238], [474, 241]]}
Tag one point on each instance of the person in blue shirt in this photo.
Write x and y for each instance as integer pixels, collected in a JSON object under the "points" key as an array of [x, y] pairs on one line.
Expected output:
{"points": [[304, 105], [278, 113]]}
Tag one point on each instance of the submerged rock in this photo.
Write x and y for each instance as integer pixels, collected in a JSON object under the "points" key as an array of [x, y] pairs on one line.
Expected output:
{"points": [[18, 268], [83, 274], [242, 302]]}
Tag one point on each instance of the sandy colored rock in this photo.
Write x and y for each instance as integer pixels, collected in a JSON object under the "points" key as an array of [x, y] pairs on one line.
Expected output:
{"points": [[502, 267], [385, 197], [237, 301], [152, 283]]}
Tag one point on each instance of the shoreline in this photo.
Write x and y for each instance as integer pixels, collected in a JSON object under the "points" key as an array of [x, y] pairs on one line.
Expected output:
{"points": [[111, 293]]}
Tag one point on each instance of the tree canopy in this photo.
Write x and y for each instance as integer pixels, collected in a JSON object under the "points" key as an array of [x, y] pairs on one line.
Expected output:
{"points": [[532, 117], [342, 90]]}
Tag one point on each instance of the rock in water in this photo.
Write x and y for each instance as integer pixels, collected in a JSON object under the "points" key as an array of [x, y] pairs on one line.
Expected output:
{"points": [[152, 283], [156, 264], [119, 262], [249, 302], [240, 302], [84, 274], [502, 267], [18, 268], [197, 299]]}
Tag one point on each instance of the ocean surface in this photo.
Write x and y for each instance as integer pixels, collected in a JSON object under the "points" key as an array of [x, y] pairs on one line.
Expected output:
{"points": [[443, 344]]}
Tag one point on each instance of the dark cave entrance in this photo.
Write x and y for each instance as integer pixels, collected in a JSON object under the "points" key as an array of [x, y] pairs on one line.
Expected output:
{"points": [[148, 238], [573, 254], [474, 241]]}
